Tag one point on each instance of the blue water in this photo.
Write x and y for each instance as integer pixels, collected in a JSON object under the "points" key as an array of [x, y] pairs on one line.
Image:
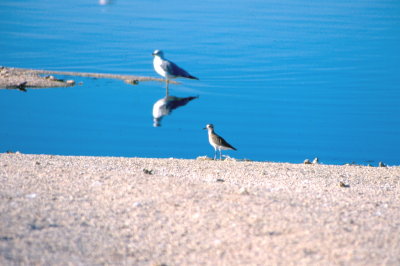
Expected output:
{"points": [[280, 80]]}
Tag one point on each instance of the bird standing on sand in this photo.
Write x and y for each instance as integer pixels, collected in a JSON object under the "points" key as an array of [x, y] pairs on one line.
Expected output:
{"points": [[169, 70], [217, 141]]}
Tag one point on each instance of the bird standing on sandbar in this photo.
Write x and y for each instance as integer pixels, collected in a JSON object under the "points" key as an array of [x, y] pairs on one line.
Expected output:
{"points": [[169, 70], [217, 141]]}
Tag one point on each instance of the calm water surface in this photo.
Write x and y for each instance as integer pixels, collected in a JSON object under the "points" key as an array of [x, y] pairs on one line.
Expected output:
{"points": [[280, 80]]}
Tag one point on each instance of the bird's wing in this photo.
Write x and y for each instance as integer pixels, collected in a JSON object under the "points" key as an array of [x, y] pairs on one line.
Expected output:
{"points": [[222, 142], [174, 70]]}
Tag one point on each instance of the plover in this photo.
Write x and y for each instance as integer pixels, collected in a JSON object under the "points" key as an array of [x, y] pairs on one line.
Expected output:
{"points": [[217, 141], [169, 70]]}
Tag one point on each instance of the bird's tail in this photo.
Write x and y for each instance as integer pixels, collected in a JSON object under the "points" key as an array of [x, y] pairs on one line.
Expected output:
{"points": [[192, 77]]}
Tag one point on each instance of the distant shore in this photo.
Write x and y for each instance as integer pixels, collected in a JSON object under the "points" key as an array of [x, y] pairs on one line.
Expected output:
{"points": [[137, 211]]}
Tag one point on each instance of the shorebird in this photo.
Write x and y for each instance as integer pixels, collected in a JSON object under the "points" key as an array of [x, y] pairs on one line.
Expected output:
{"points": [[217, 141], [167, 69]]}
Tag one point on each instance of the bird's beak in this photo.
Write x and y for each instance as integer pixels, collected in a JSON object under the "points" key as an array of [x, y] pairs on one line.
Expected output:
{"points": [[205, 128]]}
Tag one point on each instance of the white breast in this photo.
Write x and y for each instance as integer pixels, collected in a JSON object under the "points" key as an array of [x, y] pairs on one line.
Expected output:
{"points": [[157, 66], [215, 146]]}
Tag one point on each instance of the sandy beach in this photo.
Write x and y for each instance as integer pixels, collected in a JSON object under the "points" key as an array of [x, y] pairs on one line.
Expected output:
{"points": [[65, 210]]}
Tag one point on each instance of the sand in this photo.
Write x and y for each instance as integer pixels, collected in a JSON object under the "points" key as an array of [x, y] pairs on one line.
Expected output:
{"points": [[23, 79], [60, 210]]}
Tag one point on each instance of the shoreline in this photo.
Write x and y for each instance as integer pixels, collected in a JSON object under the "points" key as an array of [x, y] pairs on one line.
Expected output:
{"points": [[206, 158], [149, 211]]}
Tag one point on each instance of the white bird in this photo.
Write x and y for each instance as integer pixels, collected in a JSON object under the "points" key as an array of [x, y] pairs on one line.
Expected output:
{"points": [[217, 141], [167, 69]]}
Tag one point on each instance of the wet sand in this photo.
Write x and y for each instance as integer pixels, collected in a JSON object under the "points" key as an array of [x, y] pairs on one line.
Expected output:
{"points": [[134, 211], [23, 78]]}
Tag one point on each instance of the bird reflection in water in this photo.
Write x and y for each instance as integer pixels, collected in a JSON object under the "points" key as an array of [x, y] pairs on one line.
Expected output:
{"points": [[166, 105]]}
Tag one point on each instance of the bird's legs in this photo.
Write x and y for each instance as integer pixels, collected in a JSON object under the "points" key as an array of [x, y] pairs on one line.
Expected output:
{"points": [[220, 155], [215, 154], [167, 90]]}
